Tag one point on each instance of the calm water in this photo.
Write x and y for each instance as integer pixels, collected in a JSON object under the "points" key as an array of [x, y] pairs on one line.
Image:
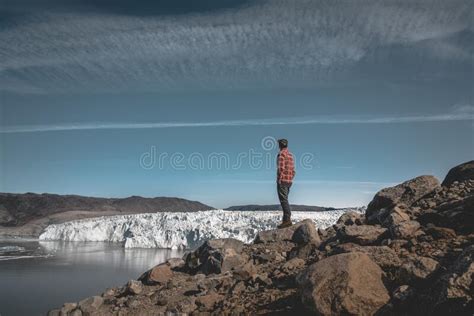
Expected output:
{"points": [[38, 276]]}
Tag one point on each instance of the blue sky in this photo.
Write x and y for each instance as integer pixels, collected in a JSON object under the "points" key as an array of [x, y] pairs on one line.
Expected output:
{"points": [[373, 95]]}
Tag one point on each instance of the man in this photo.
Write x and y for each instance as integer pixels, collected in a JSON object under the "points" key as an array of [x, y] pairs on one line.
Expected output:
{"points": [[285, 175]]}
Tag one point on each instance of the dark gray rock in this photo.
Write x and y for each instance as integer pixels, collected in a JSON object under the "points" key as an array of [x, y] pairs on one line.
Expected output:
{"points": [[457, 214], [453, 292], [460, 173], [441, 232], [216, 256], [306, 233], [403, 294]]}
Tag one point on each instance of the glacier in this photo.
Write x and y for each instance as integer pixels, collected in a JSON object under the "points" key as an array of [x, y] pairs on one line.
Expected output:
{"points": [[183, 230]]}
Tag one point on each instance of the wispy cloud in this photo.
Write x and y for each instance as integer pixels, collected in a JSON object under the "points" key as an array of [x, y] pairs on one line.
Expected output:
{"points": [[455, 116], [77, 49]]}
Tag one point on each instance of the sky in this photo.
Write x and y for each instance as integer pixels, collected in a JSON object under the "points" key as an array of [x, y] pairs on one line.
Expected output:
{"points": [[184, 98]]}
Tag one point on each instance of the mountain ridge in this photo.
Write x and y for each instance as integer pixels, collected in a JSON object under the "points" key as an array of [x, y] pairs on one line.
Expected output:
{"points": [[27, 214]]}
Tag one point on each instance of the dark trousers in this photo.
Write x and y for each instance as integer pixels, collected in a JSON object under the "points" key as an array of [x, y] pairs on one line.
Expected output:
{"points": [[283, 192]]}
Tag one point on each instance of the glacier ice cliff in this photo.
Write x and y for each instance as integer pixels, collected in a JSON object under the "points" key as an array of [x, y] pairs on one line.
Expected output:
{"points": [[178, 230]]}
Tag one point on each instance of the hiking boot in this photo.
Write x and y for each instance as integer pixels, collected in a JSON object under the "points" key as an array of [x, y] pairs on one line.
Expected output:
{"points": [[285, 224]]}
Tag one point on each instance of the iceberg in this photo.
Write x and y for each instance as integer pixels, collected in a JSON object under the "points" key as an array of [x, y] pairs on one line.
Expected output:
{"points": [[179, 230]]}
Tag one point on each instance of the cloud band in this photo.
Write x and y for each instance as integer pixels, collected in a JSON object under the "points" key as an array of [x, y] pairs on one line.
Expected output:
{"points": [[249, 122]]}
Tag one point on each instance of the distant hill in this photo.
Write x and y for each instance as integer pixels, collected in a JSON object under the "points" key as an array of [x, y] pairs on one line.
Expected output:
{"points": [[297, 208], [32, 212]]}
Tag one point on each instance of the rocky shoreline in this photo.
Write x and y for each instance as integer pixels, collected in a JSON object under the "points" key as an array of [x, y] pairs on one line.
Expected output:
{"points": [[410, 253]]}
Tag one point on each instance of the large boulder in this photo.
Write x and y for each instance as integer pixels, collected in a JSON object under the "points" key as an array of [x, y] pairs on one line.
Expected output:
{"points": [[383, 256], [306, 233], [460, 173], [159, 274], [282, 234], [361, 234], [344, 284], [216, 256], [407, 193]]}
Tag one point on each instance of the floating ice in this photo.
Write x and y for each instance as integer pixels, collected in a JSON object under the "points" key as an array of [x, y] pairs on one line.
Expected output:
{"points": [[8, 249], [179, 230]]}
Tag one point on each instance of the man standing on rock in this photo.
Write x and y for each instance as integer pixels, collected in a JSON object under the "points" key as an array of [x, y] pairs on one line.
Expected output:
{"points": [[285, 175]]}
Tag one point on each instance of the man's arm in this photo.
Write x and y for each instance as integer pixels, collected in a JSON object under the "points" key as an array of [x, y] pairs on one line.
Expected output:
{"points": [[281, 167], [293, 170]]}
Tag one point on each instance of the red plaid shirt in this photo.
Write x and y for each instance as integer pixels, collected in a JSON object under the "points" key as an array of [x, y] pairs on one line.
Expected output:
{"points": [[286, 167]]}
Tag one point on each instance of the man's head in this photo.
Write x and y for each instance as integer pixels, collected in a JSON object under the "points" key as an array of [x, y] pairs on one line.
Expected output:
{"points": [[283, 143]]}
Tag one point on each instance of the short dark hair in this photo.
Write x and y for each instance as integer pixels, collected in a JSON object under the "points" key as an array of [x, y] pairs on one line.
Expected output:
{"points": [[283, 143]]}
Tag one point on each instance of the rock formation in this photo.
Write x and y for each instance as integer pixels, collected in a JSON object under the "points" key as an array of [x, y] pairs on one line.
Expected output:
{"points": [[411, 253]]}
